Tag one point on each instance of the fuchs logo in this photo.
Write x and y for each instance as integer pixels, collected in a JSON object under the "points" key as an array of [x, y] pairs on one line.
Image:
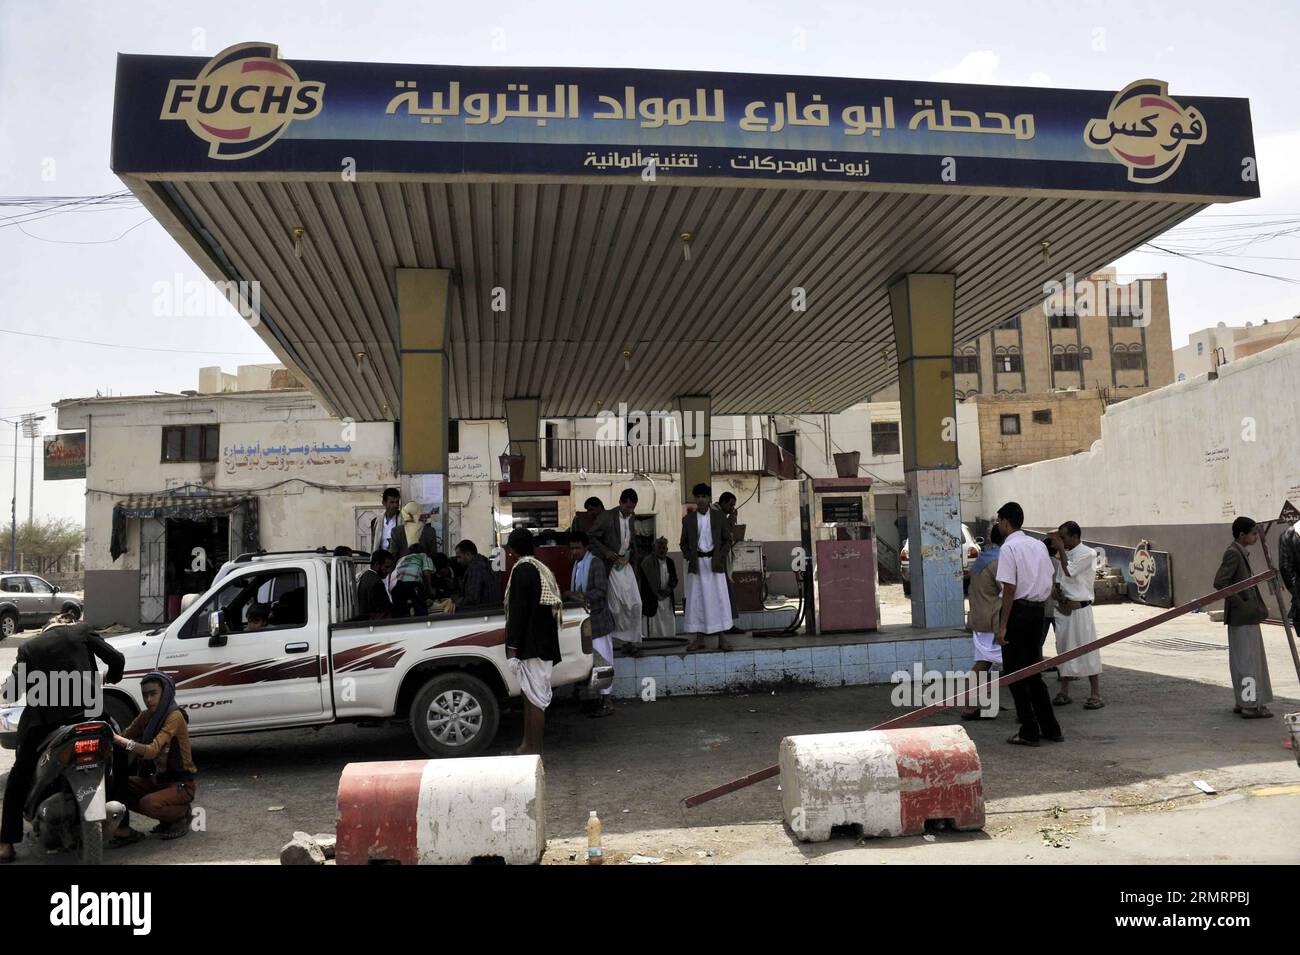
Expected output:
{"points": [[1147, 131], [242, 100], [1142, 568]]}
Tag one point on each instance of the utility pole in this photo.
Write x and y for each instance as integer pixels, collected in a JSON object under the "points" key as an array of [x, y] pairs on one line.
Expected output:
{"points": [[13, 509], [31, 430]]}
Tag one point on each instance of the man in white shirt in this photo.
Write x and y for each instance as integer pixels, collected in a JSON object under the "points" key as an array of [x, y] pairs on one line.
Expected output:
{"points": [[385, 530], [1025, 573], [1073, 621]]}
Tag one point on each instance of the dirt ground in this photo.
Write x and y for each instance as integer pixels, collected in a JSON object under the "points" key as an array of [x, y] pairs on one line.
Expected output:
{"points": [[1120, 789]]}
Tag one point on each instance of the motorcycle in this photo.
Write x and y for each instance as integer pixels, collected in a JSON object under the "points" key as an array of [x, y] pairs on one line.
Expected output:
{"points": [[68, 800]]}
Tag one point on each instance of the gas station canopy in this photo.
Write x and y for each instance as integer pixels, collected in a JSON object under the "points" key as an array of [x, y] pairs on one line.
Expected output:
{"points": [[631, 235]]}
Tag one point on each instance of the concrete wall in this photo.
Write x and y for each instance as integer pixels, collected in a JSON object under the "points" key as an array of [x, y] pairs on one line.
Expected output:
{"points": [[1175, 466]]}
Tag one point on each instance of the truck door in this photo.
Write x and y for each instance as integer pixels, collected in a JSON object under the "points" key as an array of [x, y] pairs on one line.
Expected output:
{"points": [[263, 667]]}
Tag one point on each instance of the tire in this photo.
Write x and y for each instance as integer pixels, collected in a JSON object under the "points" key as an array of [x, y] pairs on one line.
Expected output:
{"points": [[92, 843], [72, 609], [118, 712], [463, 694], [8, 624]]}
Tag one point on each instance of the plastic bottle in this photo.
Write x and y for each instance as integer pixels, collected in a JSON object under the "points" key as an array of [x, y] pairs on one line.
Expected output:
{"points": [[595, 853]]}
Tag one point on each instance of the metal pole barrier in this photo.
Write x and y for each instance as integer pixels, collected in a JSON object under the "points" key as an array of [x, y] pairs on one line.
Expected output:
{"points": [[1276, 587], [1006, 680]]}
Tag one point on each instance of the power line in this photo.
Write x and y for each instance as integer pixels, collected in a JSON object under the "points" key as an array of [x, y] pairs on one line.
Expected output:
{"points": [[1220, 265], [75, 242], [82, 341]]}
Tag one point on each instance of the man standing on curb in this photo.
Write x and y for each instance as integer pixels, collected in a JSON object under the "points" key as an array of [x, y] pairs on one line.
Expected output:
{"points": [[1025, 573]]}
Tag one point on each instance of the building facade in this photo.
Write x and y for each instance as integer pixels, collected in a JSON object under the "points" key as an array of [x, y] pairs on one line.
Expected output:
{"points": [[177, 484], [1042, 379], [1174, 467], [1210, 347]]}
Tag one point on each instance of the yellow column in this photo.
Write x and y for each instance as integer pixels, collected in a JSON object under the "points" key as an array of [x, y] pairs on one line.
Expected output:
{"points": [[696, 458], [923, 306], [422, 302]]}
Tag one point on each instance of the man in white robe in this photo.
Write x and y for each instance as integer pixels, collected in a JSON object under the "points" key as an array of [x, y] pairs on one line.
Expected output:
{"points": [[611, 538], [1076, 572], [706, 545]]}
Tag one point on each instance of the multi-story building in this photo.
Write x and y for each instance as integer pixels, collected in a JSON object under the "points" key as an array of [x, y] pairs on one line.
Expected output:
{"points": [[1210, 347], [1043, 378]]}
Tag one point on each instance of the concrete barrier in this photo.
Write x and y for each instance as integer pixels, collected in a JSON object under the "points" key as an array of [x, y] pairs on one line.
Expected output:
{"points": [[442, 812], [889, 782]]}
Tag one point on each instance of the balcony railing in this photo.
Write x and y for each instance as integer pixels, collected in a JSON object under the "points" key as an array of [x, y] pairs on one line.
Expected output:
{"points": [[727, 456]]}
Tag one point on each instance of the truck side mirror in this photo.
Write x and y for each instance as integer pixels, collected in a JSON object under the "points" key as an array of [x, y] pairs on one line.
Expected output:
{"points": [[216, 628]]}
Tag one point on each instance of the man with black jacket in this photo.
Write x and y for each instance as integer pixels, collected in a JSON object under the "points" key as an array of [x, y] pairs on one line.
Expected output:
{"points": [[57, 673], [1243, 612]]}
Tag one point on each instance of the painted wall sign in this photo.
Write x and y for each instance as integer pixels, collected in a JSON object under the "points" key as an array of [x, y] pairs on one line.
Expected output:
{"points": [[65, 456], [247, 110]]}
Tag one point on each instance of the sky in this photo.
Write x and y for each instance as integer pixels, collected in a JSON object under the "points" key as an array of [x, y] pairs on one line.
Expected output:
{"points": [[92, 275]]}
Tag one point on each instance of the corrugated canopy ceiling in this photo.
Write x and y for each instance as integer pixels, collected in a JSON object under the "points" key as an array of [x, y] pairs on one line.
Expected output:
{"points": [[592, 270]]}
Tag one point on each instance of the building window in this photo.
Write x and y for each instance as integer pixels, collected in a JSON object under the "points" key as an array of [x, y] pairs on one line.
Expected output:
{"points": [[1013, 322], [1063, 321], [453, 436], [1125, 321], [1200, 348], [1008, 363], [1010, 423], [966, 364], [1067, 361], [884, 437], [1043, 417], [1129, 360], [190, 442], [788, 441]]}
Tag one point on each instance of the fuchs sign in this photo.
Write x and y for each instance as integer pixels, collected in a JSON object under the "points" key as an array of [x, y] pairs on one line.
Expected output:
{"points": [[246, 110]]}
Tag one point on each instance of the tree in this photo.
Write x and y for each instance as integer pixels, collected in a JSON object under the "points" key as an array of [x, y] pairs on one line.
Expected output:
{"points": [[49, 538]]}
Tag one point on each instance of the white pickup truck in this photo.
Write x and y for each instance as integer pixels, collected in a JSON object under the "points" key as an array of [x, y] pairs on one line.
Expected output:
{"points": [[313, 664]]}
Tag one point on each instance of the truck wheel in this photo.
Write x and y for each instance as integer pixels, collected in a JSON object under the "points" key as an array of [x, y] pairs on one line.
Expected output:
{"points": [[72, 609], [92, 843], [8, 624], [454, 714], [118, 713]]}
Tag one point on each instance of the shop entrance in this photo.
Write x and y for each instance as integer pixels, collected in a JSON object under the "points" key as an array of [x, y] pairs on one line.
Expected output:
{"points": [[178, 557]]}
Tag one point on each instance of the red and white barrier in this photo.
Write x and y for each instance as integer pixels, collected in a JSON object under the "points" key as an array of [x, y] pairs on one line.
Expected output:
{"points": [[442, 811], [889, 782]]}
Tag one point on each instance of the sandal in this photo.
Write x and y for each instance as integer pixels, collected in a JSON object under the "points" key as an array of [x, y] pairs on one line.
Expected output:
{"points": [[1017, 740], [174, 830], [1060, 700], [1259, 713], [605, 709], [1094, 703]]}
